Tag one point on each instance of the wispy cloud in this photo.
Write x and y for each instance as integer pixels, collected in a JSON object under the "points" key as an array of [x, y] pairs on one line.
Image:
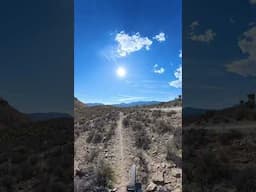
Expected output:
{"points": [[131, 43], [129, 98], [180, 54], [148, 84], [109, 54], [207, 36], [158, 70], [160, 37], [178, 82], [247, 44]]}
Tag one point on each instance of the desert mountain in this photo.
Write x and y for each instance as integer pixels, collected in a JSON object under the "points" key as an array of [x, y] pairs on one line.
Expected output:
{"points": [[47, 116], [176, 102], [10, 116], [34, 149], [78, 104], [138, 103]]}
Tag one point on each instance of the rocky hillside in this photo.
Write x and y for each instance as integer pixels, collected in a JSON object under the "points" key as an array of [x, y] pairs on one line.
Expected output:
{"points": [[9, 116], [109, 140], [219, 151], [34, 156]]}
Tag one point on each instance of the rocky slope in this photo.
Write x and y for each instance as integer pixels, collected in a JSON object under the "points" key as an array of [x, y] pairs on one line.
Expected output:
{"points": [[34, 156], [219, 151], [109, 140]]}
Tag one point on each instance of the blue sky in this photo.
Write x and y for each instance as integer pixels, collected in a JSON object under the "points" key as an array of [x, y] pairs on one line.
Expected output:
{"points": [[37, 55], [142, 37], [219, 65]]}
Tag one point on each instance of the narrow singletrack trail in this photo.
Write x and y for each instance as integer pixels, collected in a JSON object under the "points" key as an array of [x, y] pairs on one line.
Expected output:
{"points": [[122, 176]]}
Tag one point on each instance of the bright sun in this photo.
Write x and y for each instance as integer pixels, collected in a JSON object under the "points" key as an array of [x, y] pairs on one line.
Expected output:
{"points": [[121, 72]]}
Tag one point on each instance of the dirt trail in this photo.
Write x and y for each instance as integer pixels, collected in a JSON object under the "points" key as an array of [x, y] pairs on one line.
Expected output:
{"points": [[122, 164]]}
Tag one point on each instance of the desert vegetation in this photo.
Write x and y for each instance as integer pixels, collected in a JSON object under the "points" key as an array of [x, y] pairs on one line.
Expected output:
{"points": [[218, 151], [34, 153], [148, 137]]}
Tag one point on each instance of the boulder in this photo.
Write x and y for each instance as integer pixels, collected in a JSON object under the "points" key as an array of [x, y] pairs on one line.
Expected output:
{"points": [[151, 187], [176, 172], [158, 177]]}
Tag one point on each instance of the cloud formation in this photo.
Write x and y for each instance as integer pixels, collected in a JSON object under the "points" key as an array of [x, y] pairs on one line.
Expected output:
{"points": [[131, 43], [158, 69], [247, 44], [178, 82], [160, 37], [253, 1], [180, 54], [207, 36]]}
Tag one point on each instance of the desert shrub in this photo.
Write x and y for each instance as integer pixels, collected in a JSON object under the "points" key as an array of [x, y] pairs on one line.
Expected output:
{"points": [[162, 127], [3, 158], [97, 138], [177, 137], [156, 113], [172, 151], [99, 125], [171, 113], [18, 157], [3, 170], [104, 175], [229, 137], [142, 140], [148, 120], [25, 171], [126, 122], [245, 180], [143, 171], [209, 170], [92, 155], [109, 134], [8, 183], [195, 137], [241, 115], [137, 126], [57, 187], [138, 116], [90, 136]]}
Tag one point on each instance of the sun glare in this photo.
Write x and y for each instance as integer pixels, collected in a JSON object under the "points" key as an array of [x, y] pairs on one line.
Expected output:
{"points": [[121, 72]]}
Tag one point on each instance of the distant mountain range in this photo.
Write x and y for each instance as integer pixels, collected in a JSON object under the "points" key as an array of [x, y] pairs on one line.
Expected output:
{"points": [[138, 103], [132, 104], [47, 116], [10, 116], [189, 112], [94, 104]]}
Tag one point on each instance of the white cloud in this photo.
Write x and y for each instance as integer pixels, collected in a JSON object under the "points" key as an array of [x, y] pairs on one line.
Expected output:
{"points": [[207, 36], [194, 24], [180, 54], [253, 1], [160, 37], [131, 43], [178, 82], [246, 67], [158, 70]]}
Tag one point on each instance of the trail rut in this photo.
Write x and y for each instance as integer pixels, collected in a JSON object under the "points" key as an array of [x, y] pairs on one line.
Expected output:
{"points": [[122, 159]]}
